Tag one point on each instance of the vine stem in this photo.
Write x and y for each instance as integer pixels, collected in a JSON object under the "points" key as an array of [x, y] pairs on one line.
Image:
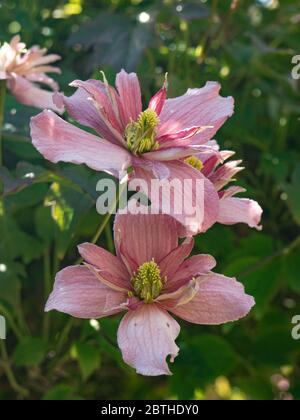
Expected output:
{"points": [[287, 250], [5, 364], [2, 108], [107, 218]]}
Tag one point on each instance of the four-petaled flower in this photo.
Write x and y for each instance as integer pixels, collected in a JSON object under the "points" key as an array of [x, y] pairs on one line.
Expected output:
{"points": [[151, 276], [25, 69]]}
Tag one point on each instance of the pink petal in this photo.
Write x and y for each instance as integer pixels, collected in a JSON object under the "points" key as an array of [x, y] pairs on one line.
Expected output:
{"points": [[231, 191], [222, 176], [146, 337], [198, 107], [145, 237], [240, 210], [191, 268], [44, 79], [80, 107], [110, 267], [184, 177], [176, 153], [171, 263], [158, 100], [219, 300], [180, 138], [180, 296], [58, 141], [129, 90], [28, 93], [106, 101], [79, 293]]}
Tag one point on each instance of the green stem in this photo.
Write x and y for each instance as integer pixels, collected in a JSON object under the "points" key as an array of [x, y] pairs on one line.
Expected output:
{"points": [[107, 218], [5, 363], [12, 323], [2, 108], [287, 250], [64, 335], [47, 289], [109, 214], [109, 239]]}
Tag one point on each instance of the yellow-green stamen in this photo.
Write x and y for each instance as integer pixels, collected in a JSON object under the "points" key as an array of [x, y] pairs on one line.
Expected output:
{"points": [[141, 134], [147, 282], [194, 162]]}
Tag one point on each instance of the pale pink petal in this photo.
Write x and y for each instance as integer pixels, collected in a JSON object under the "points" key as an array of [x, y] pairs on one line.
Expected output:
{"points": [[177, 153], [191, 268], [79, 293], [109, 266], [219, 300], [158, 100], [240, 210], [58, 141], [44, 79], [109, 279], [107, 103], [146, 338], [183, 295], [231, 191], [193, 200], [80, 107], [145, 237], [158, 167], [225, 174], [28, 93], [129, 90], [180, 138], [198, 107], [171, 263]]}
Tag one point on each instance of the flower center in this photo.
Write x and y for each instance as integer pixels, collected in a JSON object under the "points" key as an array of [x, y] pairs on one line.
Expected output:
{"points": [[194, 162], [147, 282], [141, 134]]}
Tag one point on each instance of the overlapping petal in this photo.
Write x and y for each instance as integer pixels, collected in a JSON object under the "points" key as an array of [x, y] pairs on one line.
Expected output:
{"points": [[58, 141], [197, 108], [145, 237], [219, 300], [79, 293]]}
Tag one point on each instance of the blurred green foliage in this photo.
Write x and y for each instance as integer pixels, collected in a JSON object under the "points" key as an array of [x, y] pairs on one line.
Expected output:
{"points": [[47, 209]]}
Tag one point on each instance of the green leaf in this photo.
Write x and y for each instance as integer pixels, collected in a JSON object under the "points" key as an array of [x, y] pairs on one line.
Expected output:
{"points": [[293, 192], [61, 392], [30, 352], [291, 271], [44, 224], [130, 40], [88, 358], [68, 209], [10, 283], [201, 360]]}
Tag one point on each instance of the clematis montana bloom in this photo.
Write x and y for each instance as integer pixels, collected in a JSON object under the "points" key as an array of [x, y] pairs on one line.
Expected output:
{"points": [[25, 69], [154, 143], [151, 278]]}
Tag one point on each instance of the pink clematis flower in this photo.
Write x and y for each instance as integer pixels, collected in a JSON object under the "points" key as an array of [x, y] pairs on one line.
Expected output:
{"points": [[151, 278], [25, 69], [154, 143], [232, 209]]}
